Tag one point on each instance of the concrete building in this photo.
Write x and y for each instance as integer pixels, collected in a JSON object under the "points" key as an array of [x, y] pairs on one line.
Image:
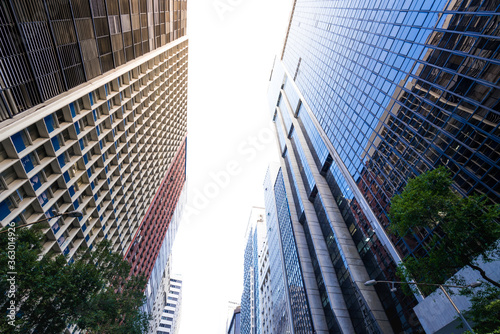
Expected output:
{"points": [[159, 282], [364, 96], [265, 291], [170, 318], [93, 103]]}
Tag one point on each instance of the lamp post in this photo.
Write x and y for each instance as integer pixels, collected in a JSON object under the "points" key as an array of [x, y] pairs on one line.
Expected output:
{"points": [[75, 214], [441, 286]]}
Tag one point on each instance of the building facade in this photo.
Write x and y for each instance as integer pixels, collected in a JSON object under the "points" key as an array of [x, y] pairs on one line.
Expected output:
{"points": [[315, 300], [265, 292], [170, 318], [93, 113], [250, 298], [158, 284], [235, 321], [50, 47], [364, 96]]}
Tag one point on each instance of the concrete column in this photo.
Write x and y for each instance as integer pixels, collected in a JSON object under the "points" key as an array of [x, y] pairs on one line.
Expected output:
{"points": [[332, 286], [345, 243]]}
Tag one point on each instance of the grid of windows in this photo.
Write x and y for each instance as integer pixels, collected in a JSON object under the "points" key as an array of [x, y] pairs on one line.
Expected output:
{"points": [[247, 297], [304, 168], [105, 153], [415, 87], [376, 259], [398, 88], [168, 322], [49, 47], [360, 314], [313, 139], [252, 305], [299, 207], [331, 320], [280, 314], [301, 316], [256, 295]]}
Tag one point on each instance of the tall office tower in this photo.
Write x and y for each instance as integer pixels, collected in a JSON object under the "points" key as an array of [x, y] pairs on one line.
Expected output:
{"points": [[235, 321], [255, 238], [93, 106], [170, 318], [365, 95], [314, 299]]}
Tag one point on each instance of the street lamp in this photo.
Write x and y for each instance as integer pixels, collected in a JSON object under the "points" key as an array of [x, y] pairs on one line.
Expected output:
{"points": [[74, 214], [441, 286]]}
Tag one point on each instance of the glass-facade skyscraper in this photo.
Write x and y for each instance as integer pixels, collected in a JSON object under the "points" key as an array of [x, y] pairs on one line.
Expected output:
{"points": [[307, 296], [364, 96], [250, 299]]}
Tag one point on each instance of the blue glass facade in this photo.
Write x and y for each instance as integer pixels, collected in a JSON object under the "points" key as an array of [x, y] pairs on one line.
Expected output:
{"points": [[280, 312], [401, 87], [256, 290], [250, 299], [359, 314], [383, 91], [234, 326], [301, 317]]}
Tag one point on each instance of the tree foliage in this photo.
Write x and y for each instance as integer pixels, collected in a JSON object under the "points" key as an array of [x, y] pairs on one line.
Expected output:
{"points": [[485, 311], [464, 228], [95, 292], [422, 202]]}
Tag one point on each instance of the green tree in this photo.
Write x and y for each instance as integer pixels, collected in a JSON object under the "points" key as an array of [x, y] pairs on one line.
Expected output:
{"points": [[464, 230], [95, 292], [485, 311]]}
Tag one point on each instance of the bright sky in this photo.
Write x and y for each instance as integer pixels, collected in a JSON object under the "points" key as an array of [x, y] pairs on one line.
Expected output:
{"points": [[232, 44]]}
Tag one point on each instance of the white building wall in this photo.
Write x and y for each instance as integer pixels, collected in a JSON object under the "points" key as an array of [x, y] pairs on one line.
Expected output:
{"points": [[169, 322]]}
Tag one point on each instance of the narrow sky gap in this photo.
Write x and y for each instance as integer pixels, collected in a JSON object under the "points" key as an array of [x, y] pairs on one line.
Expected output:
{"points": [[232, 45]]}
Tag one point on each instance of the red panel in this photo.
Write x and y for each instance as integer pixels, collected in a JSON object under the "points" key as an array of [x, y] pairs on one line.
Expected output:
{"points": [[147, 242]]}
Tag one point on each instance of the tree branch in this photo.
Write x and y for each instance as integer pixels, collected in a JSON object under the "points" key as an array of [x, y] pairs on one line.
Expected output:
{"points": [[483, 275]]}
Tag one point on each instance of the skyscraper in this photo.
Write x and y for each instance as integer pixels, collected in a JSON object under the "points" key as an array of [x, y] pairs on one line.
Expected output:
{"points": [[364, 96], [93, 106], [170, 318], [250, 299], [307, 295]]}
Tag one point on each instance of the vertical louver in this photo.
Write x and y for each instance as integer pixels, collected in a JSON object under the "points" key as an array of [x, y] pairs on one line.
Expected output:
{"points": [[49, 46]]}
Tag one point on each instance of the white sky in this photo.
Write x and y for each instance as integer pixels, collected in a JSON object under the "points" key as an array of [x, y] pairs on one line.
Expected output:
{"points": [[232, 44]]}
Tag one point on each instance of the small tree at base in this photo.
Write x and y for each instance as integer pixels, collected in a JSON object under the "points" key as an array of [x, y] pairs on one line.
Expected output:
{"points": [[95, 292], [465, 230]]}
